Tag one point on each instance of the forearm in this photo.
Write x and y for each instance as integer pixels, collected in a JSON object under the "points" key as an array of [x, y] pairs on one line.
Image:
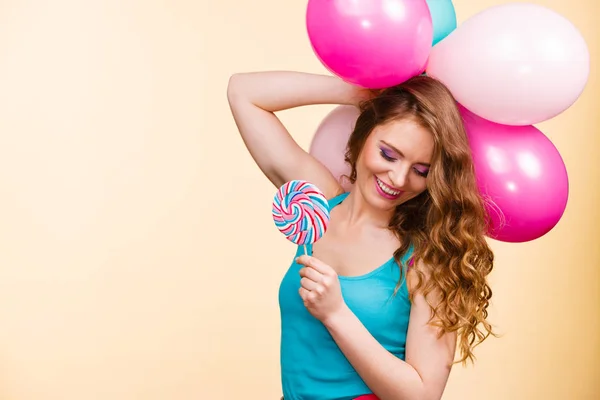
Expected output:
{"points": [[279, 90], [389, 377]]}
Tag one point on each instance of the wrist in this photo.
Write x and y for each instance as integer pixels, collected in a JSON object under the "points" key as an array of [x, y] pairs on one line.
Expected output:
{"points": [[338, 91], [355, 95], [338, 318]]}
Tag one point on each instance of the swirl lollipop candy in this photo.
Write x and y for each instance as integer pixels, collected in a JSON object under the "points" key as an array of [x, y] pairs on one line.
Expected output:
{"points": [[301, 212]]}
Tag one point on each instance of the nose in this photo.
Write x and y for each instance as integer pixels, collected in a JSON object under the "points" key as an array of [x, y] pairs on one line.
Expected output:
{"points": [[399, 176]]}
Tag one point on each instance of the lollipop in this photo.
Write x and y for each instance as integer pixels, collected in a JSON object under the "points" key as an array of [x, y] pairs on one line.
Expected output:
{"points": [[301, 212]]}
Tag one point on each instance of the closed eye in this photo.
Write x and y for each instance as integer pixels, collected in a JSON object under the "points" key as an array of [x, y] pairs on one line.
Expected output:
{"points": [[421, 173], [386, 156]]}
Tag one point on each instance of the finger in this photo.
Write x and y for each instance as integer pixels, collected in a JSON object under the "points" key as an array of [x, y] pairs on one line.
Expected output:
{"points": [[308, 284], [311, 273], [316, 264], [308, 296], [303, 294]]}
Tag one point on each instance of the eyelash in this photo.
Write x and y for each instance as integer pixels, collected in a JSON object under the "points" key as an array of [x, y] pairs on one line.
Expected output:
{"points": [[384, 155], [423, 174], [388, 158]]}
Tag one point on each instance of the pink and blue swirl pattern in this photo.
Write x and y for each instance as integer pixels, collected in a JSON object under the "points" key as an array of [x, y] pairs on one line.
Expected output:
{"points": [[301, 212]]}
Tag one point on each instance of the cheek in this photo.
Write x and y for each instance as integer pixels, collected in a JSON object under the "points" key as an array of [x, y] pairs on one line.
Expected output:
{"points": [[419, 185], [373, 161]]}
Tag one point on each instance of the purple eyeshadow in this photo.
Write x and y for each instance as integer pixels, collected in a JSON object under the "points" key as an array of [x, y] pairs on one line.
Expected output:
{"points": [[386, 152]]}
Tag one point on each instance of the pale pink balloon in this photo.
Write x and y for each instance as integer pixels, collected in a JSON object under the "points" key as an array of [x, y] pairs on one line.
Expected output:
{"points": [[523, 176], [330, 140], [514, 64], [371, 43]]}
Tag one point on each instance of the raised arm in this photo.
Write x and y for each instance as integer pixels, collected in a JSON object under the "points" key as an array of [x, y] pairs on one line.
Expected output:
{"points": [[255, 97]]}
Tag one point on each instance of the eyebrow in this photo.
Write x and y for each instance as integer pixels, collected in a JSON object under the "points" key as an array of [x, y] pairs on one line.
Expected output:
{"points": [[402, 154]]}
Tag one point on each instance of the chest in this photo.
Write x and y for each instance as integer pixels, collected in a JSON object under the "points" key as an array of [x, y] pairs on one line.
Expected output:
{"points": [[355, 253], [372, 298]]}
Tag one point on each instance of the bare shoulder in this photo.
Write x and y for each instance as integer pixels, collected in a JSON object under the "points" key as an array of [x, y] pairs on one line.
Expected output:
{"points": [[417, 277], [426, 295]]}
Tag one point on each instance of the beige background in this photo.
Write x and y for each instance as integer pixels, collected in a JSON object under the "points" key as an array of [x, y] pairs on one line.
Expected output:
{"points": [[138, 258]]}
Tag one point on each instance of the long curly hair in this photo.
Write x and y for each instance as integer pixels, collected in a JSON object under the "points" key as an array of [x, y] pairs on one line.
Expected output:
{"points": [[446, 224]]}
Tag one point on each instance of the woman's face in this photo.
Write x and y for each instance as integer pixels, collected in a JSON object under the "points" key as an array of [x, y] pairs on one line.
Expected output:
{"points": [[393, 164]]}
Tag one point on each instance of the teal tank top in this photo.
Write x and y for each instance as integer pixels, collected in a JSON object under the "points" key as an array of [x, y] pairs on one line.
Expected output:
{"points": [[312, 365]]}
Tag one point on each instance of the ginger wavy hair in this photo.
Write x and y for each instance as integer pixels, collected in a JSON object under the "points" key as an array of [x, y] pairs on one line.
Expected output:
{"points": [[446, 224]]}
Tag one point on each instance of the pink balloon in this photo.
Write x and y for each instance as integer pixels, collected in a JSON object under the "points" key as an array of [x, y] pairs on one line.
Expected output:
{"points": [[330, 140], [522, 173], [371, 43], [514, 64]]}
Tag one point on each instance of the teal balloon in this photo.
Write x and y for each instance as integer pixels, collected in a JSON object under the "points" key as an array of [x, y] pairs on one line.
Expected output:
{"points": [[443, 17]]}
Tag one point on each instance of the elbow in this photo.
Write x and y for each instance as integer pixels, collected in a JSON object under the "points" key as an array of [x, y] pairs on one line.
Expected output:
{"points": [[418, 391], [414, 396], [428, 394], [235, 87]]}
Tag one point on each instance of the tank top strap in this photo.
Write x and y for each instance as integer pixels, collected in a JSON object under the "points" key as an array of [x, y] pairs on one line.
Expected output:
{"points": [[334, 201], [337, 200]]}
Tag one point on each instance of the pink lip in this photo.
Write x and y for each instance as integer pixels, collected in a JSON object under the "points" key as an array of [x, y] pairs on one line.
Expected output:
{"points": [[384, 194]]}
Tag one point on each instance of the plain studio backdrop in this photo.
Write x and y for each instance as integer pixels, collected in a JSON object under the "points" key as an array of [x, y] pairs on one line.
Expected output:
{"points": [[138, 257]]}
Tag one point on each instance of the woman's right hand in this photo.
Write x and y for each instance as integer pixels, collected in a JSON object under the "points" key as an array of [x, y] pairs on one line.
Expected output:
{"points": [[255, 97]]}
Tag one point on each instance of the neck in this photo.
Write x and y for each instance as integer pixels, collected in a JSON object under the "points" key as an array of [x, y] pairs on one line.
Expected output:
{"points": [[359, 213]]}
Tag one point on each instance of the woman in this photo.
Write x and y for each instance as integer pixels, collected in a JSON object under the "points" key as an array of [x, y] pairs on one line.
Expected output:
{"points": [[399, 279]]}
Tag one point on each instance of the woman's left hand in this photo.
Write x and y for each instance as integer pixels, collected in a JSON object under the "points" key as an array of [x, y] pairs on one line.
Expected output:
{"points": [[320, 288]]}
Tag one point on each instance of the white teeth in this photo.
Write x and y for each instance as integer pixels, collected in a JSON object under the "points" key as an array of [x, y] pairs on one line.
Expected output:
{"points": [[386, 189]]}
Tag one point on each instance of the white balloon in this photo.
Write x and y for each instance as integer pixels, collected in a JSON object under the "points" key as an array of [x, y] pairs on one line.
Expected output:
{"points": [[515, 64]]}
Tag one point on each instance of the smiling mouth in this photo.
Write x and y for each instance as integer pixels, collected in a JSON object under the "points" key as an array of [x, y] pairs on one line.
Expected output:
{"points": [[386, 190]]}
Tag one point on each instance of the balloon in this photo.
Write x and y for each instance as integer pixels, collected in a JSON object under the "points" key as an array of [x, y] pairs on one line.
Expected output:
{"points": [[514, 64], [371, 43], [443, 18], [522, 173], [330, 140]]}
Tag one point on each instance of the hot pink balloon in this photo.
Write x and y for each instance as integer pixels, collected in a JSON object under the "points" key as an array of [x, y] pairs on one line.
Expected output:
{"points": [[371, 43], [330, 140], [522, 173], [514, 64]]}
